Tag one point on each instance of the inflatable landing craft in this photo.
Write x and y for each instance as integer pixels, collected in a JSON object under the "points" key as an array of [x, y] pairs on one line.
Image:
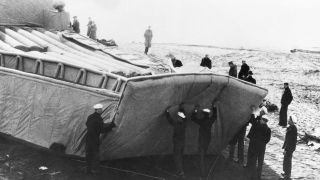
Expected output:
{"points": [[50, 79]]}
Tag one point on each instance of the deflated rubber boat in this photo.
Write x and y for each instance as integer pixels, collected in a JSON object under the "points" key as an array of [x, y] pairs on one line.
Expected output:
{"points": [[49, 81]]}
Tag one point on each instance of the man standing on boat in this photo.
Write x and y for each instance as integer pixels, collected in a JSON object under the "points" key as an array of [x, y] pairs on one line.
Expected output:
{"points": [[233, 69], [76, 25], [95, 127], [178, 122], [148, 37]]}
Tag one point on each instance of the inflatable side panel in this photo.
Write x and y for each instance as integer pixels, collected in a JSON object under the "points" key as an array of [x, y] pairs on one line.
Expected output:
{"points": [[42, 112]]}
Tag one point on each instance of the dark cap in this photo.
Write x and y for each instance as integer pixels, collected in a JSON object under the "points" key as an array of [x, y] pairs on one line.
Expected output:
{"points": [[230, 62], [286, 83]]}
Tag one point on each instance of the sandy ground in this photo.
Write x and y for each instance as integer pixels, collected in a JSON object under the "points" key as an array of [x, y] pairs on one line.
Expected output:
{"points": [[271, 70]]}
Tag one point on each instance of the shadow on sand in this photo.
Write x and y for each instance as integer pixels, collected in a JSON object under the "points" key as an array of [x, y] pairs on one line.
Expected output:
{"points": [[24, 162]]}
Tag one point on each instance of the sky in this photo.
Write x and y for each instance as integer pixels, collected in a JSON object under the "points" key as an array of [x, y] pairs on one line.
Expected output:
{"points": [[238, 23]]}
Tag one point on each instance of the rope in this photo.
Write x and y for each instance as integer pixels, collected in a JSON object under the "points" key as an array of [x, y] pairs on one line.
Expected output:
{"points": [[211, 171]]}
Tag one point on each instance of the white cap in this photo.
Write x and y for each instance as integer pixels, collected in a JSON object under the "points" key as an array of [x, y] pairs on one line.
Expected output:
{"points": [[98, 106], [181, 114], [206, 110]]}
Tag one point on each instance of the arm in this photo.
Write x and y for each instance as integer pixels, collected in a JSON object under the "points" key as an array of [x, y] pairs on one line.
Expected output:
{"points": [[268, 136], [108, 126]]}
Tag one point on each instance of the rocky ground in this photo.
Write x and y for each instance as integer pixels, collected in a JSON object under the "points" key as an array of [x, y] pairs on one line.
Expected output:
{"points": [[271, 69]]}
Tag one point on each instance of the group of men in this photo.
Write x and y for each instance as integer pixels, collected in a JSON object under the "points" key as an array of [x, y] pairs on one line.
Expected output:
{"points": [[92, 27], [244, 73], [204, 117], [259, 133]]}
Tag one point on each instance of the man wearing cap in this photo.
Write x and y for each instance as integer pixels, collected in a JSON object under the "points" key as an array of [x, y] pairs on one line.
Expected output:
{"points": [[206, 62], [76, 25], [244, 70], [259, 136], [250, 78], [286, 99], [178, 122], [289, 147], [95, 127], [233, 69], [205, 120]]}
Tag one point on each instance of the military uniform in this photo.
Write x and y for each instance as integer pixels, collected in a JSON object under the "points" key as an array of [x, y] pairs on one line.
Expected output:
{"points": [[289, 146], [95, 127], [285, 101], [179, 128], [205, 122]]}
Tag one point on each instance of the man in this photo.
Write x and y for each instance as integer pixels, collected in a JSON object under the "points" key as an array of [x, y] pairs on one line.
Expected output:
{"points": [[178, 122], [205, 122], [206, 62], [233, 69], [89, 26], [289, 147], [250, 78], [286, 99], [76, 25], [148, 37], [176, 62], [95, 127], [259, 136], [244, 70], [238, 138], [93, 31]]}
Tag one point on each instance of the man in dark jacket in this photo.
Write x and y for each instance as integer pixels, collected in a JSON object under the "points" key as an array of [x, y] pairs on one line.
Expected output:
{"points": [[285, 101], [206, 62], [238, 139], [178, 122], [176, 62], [95, 127], [205, 121], [250, 78], [289, 147], [259, 136], [76, 25], [233, 69], [244, 70]]}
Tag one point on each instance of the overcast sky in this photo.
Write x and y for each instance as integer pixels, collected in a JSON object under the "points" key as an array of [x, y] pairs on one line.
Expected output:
{"points": [[236, 23]]}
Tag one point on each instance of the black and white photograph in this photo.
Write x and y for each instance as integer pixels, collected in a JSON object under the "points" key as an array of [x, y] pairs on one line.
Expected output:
{"points": [[159, 90]]}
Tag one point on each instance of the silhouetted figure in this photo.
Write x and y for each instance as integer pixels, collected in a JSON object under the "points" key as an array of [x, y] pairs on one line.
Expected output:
{"points": [[95, 127], [93, 31], [178, 123], [205, 119], [286, 99], [89, 26], [206, 62], [76, 25], [259, 136], [289, 147], [233, 69], [244, 71], [147, 37], [238, 139], [250, 78]]}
